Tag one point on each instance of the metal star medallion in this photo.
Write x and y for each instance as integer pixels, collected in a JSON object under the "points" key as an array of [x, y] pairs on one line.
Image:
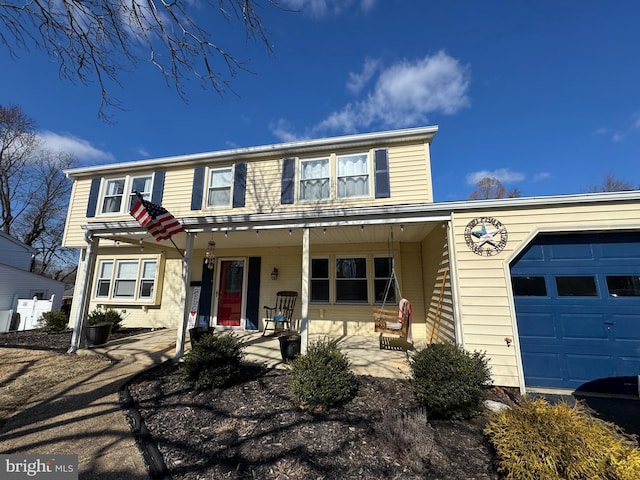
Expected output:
{"points": [[486, 241]]}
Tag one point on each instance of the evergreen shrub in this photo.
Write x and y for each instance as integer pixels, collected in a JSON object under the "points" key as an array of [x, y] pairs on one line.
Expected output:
{"points": [[321, 378], [537, 440], [54, 321], [449, 381], [214, 361]]}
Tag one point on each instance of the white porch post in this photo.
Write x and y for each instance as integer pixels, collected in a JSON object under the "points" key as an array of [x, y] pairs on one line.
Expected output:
{"points": [[186, 277], [84, 288], [304, 297]]}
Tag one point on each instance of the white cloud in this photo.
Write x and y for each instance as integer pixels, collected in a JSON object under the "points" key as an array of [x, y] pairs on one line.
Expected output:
{"points": [[503, 174], [541, 176], [284, 131], [322, 8], [81, 149], [617, 137], [357, 81], [405, 94]]}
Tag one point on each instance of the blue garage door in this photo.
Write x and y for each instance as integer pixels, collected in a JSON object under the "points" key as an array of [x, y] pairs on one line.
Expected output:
{"points": [[577, 299]]}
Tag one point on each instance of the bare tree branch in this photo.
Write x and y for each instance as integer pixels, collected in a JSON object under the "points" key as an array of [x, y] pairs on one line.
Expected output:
{"points": [[491, 187], [98, 39]]}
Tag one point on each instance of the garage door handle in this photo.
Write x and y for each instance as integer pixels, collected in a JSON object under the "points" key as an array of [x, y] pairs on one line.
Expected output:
{"points": [[609, 323]]}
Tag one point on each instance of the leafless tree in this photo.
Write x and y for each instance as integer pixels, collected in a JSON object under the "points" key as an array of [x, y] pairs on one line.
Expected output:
{"points": [[491, 187], [610, 184], [34, 191], [99, 39]]}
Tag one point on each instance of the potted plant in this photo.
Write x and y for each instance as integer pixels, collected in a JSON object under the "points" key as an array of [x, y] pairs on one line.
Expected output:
{"points": [[290, 344], [99, 326]]}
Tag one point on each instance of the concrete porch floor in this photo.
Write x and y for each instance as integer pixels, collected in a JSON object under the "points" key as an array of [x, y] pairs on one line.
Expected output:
{"points": [[364, 353]]}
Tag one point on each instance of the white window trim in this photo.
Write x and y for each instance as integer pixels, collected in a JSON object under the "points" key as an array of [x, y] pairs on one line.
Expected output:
{"points": [[128, 185], [111, 298], [369, 169], [210, 171], [299, 179], [330, 274]]}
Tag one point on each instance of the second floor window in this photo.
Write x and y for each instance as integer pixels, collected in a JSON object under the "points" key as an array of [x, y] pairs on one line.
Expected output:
{"points": [[353, 176], [118, 193], [219, 190], [314, 179]]}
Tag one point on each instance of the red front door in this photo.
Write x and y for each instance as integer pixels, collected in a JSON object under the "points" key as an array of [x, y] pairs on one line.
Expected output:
{"points": [[230, 293]]}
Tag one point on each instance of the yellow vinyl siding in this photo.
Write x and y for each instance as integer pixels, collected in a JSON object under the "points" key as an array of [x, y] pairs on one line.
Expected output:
{"points": [[485, 303], [409, 177]]}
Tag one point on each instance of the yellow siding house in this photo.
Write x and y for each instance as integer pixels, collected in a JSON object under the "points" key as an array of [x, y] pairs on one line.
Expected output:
{"points": [[549, 287]]}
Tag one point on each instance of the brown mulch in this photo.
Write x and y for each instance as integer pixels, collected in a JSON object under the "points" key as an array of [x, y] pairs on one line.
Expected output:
{"points": [[253, 430]]}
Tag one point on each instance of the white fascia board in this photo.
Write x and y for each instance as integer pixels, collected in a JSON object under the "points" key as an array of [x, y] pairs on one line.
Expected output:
{"points": [[369, 140]]}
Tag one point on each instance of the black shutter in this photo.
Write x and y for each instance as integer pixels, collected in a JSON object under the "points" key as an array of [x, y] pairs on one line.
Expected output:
{"points": [[239, 184], [197, 189], [93, 197], [253, 293], [158, 187], [288, 179], [381, 166]]}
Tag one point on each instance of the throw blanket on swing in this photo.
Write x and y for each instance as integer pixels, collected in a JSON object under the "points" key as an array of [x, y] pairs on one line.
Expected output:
{"points": [[405, 310]]}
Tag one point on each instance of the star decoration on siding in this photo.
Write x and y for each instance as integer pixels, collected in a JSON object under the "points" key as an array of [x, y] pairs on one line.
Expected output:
{"points": [[490, 239]]}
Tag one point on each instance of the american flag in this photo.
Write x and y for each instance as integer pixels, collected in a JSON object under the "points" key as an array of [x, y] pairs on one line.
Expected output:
{"points": [[160, 223]]}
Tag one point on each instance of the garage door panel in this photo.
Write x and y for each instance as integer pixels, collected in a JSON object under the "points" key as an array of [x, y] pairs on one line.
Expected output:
{"points": [[582, 326], [588, 339], [542, 368]]}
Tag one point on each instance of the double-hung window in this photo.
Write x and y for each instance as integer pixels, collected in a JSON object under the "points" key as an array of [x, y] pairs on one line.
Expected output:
{"points": [[351, 280], [219, 189], [320, 280], [119, 193], [127, 280], [353, 175], [384, 283], [314, 179]]}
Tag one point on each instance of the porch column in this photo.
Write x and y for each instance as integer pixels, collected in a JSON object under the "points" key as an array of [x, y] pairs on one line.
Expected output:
{"points": [[304, 297], [84, 288], [186, 277]]}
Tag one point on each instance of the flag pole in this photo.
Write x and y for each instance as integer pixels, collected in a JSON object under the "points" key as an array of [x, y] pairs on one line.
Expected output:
{"points": [[179, 251]]}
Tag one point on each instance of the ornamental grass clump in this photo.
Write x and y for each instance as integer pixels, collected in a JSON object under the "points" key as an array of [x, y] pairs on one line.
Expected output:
{"points": [[214, 361], [537, 440], [321, 378], [448, 381]]}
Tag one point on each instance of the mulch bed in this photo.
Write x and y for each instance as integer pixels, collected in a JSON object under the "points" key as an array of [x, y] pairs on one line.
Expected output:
{"points": [[253, 430], [55, 341]]}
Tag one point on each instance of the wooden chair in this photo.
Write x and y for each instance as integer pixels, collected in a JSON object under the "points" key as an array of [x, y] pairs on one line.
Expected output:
{"points": [[280, 314]]}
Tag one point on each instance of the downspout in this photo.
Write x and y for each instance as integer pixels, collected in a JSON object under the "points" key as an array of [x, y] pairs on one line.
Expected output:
{"points": [[453, 278], [186, 277], [86, 280], [304, 297]]}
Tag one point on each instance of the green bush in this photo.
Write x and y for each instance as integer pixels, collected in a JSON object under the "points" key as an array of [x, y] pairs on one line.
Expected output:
{"points": [[449, 381], [321, 378], [537, 440], [55, 321], [214, 361], [98, 317]]}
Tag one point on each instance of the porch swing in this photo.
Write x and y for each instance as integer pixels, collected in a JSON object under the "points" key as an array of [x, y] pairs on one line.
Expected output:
{"points": [[397, 321]]}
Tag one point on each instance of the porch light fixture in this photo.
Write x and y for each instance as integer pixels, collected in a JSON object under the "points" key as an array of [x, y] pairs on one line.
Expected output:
{"points": [[209, 258], [274, 273]]}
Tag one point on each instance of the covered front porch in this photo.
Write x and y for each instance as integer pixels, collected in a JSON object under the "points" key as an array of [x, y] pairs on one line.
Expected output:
{"points": [[363, 351]]}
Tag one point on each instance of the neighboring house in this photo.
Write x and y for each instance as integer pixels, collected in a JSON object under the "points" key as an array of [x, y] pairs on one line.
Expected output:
{"points": [[549, 287], [17, 282]]}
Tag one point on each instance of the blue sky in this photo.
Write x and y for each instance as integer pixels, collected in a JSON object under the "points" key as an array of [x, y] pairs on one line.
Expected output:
{"points": [[543, 95]]}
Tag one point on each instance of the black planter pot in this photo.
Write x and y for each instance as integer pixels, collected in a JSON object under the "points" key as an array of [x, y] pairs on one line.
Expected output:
{"points": [[195, 334], [290, 346], [97, 334]]}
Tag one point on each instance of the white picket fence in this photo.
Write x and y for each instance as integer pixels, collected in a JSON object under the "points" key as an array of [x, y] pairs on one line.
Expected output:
{"points": [[25, 315]]}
